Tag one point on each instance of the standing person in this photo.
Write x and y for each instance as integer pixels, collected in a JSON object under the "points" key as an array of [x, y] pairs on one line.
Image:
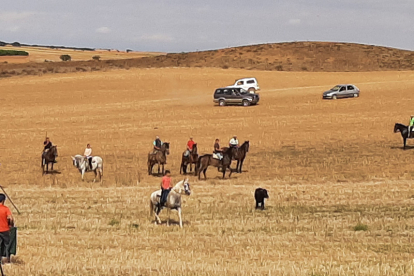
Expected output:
{"points": [[166, 186], [6, 221], [410, 125], [234, 143], [217, 149], [190, 145], [157, 144], [88, 155]]}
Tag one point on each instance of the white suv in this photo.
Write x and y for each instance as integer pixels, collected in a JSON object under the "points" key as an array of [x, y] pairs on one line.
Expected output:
{"points": [[248, 84]]}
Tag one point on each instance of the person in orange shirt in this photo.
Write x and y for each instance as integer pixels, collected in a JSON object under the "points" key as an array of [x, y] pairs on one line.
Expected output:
{"points": [[190, 145], [166, 185], [6, 220]]}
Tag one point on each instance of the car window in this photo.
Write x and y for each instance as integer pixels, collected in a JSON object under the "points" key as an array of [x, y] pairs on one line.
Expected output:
{"points": [[342, 88], [350, 87], [250, 81], [336, 88]]}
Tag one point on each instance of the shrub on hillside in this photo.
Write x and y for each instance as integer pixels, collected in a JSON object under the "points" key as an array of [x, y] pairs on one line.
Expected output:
{"points": [[13, 53], [96, 57], [3, 43], [16, 44], [65, 57]]}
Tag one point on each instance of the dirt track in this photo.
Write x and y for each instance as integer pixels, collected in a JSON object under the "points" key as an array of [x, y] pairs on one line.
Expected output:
{"points": [[327, 165]]}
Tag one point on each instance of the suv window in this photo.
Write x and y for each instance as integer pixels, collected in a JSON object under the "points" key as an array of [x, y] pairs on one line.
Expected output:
{"points": [[227, 92], [250, 81], [219, 92], [240, 83]]}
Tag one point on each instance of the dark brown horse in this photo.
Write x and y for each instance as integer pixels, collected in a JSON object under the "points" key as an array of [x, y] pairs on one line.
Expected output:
{"points": [[160, 158], [239, 154], [207, 160], [191, 159], [49, 157], [404, 132]]}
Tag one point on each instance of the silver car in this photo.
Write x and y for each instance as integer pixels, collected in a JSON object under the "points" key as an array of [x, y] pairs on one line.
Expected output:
{"points": [[341, 91]]}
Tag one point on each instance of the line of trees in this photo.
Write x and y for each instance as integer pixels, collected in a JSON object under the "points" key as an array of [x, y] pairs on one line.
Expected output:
{"points": [[13, 53]]}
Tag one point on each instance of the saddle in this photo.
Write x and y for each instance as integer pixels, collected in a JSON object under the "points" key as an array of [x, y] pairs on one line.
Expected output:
{"points": [[218, 157]]}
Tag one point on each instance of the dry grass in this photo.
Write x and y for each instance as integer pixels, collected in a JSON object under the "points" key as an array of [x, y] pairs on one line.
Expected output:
{"points": [[40, 54], [328, 166]]}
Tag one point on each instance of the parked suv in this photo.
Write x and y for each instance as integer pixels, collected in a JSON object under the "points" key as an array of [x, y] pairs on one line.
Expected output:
{"points": [[248, 84], [235, 95]]}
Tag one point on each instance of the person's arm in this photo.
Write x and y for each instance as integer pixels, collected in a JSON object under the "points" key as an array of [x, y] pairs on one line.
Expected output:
{"points": [[10, 218], [171, 183]]}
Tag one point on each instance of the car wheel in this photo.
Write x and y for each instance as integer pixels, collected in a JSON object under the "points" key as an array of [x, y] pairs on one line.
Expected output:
{"points": [[355, 95], [246, 103], [222, 103], [251, 90], [334, 97]]}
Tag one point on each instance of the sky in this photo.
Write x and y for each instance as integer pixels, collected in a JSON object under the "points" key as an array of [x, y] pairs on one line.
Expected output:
{"points": [[193, 25]]}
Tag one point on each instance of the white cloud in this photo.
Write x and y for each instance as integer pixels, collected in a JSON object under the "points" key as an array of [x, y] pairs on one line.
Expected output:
{"points": [[103, 30], [157, 38], [294, 21]]}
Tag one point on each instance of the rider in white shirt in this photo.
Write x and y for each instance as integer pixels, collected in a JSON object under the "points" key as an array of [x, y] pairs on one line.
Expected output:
{"points": [[88, 155], [234, 142]]}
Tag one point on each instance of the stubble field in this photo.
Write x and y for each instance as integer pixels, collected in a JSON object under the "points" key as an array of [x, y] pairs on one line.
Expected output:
{"points": [[328, 166]]}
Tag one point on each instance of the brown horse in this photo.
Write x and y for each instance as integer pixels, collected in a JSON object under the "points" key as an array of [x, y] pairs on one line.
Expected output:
{"points": [[207, 160], [191, 159], [49, 157], [239, 154], [160, 158]]}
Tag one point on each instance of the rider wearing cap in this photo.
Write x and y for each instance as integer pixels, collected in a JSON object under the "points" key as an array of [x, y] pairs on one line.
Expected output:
{"points": [[234, 143], [157, 144]]}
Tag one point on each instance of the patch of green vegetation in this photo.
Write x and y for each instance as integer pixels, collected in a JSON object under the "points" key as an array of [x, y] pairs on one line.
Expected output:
{"points": [[13, 53], [114, 222], [361, 227]]}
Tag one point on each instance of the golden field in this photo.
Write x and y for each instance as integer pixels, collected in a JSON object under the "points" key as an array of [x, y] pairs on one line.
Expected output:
{"points": [[40, 54], [328, 166]]}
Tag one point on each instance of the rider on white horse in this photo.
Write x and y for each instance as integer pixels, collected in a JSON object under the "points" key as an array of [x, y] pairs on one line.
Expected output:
{"points": [[88, 155]]}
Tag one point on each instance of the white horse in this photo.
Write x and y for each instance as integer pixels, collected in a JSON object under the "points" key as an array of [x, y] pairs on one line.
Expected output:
{"points": [[81, 163], [173, 200]]}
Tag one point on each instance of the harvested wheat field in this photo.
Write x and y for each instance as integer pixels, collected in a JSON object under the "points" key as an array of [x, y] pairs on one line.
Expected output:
{"points": [[340, 185], [42, 54]]}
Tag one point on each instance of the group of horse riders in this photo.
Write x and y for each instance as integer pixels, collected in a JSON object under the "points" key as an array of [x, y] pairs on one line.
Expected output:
{"points": [[87, 154], [218, 150]]}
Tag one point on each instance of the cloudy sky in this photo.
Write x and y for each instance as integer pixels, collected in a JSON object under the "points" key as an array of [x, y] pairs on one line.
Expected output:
{"points": [[190, 25]]}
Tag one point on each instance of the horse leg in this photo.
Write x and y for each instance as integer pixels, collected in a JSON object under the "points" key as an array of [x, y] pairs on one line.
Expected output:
{"points": [[191, 166], [179, 215], [224, 171], [405, 142], [158, 168], [241, 165], [157, 218], [237, 166], [162, 168], [204, 172], [230, 172], [95, 176]]}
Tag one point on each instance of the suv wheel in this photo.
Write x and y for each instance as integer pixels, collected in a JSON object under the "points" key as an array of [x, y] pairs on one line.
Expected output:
{"points": [[246, 103], [222, 103], [251, 90]]}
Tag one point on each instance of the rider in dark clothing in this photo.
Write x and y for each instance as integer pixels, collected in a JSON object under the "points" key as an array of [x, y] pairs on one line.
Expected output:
{"points": [[157, 144], [47, 143]]}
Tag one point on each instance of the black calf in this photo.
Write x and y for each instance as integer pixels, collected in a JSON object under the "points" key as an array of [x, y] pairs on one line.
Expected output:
{"points": [[260, 195]]}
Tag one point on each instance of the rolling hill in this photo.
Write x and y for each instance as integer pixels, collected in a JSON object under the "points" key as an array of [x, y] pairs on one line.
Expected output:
{"points": [[292, 56]]}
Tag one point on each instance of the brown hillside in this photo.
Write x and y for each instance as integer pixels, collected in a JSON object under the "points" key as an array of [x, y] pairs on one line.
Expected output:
{"points": [[294, 56]]}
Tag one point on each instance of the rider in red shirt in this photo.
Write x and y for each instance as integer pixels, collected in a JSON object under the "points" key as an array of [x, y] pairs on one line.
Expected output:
{"points": [[6, 220], [190, 145], [166, 186]]}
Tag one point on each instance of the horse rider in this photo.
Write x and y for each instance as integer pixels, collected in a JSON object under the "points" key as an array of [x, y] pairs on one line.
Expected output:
{"points": [[218, 151], [166, 186], [234, 143], [88, 155], [47, 145], [190, 145], [410, 125], [157, 144]]}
